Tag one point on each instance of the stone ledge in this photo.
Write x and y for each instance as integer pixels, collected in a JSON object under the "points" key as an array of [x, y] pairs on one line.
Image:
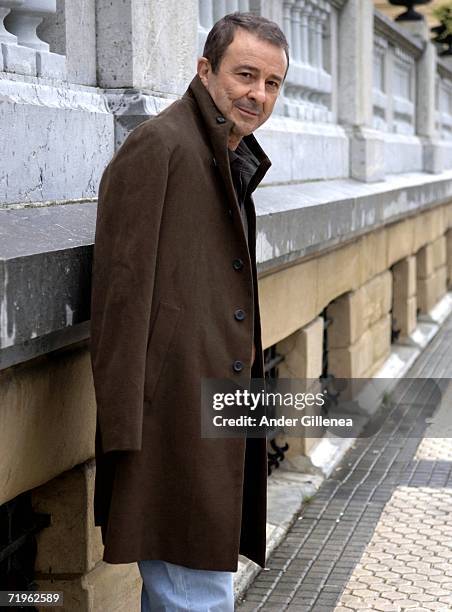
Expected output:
{"points": [[302, 218], [46, 251]]}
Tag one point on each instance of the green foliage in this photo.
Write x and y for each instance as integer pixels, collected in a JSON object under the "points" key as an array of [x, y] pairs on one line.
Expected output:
{"points": [[444, 15]]}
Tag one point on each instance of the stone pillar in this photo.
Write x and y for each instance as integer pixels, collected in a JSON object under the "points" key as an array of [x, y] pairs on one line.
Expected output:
{"points": [[303, 359], [404, 296], [355, 90], [426, 110], [440, 264], [146, 45], [359, 335], [427, 279], [449, 258], [69, 552], [71, 31]]}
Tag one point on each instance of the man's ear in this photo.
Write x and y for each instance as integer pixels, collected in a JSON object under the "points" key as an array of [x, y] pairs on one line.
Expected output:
{"points": [[204, 69]]}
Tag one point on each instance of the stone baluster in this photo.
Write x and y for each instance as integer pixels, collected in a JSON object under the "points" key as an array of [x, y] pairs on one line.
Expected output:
{"points": [[305, 47], [287, 23], [232, 6], [296, 32], [317, 37], [24, 20], [5, 8], [31, 55], [312, 35], [244, 6], [205, 14], [219, 9]]}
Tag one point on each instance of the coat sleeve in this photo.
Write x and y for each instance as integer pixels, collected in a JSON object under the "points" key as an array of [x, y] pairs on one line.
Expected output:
{"points": [[130, 204]]}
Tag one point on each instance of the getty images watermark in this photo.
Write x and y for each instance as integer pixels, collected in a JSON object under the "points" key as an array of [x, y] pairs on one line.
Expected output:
{"points": [[308, 407]]}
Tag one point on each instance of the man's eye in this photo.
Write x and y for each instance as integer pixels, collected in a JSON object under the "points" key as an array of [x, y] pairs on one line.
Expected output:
{"points": [[246, 74], [273, 84]]}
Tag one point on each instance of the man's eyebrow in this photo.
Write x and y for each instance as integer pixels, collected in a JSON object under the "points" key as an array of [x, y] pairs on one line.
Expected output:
{"points": [[276, 77]]}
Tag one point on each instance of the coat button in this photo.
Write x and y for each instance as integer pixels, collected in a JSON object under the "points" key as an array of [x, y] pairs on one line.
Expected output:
{"points": [[221, 119], [230, 212], [237, 264], [237, 366], [239, 314]]}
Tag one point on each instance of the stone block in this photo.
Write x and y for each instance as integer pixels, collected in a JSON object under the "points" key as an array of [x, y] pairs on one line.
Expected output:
{"points": [[441, 282], [439, 221], [302, 439], [338, 272], [287, 301], [354, 312], [147, 45], [19, 59], [367, 155], [373, 254], [51, 65], [404, 316], [403, 153], [72, 544], [404, 276], [424, 229], [71, 31], [48, 420], [426, 293], [353, 361], [346, 316], [381, 338], [115, 588], [449, 245], [296, 147], [377, 298], [439, 247], [400, 240], [372, 371], [303, 352], [448, 216], [433, 156], [449, 258], [425, 262], [66, 149]]}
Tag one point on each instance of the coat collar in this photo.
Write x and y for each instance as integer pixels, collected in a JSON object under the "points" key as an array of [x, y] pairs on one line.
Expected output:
{"points": [[218, 128]]}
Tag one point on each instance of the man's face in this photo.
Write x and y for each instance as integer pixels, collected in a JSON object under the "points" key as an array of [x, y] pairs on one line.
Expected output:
{"points": [[247, 82]]}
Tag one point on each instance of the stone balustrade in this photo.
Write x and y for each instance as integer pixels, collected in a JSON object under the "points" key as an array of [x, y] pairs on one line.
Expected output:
{"points": [[308, 87], [444, 102], [23, 50], [210, 11], [394, 82]]}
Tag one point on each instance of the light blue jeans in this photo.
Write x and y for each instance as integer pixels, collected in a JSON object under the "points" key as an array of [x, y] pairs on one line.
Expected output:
{"points": [[173, 588]]}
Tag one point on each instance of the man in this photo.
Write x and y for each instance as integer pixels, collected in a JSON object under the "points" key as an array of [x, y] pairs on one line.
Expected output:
{"points": [[174, 300]]}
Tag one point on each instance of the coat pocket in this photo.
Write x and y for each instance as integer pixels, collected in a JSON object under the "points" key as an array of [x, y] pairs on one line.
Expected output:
{"points": [[162, 333]]}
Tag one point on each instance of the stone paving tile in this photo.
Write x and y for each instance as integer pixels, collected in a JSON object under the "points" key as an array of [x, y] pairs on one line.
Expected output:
{"points": [[377, 535], [407, 511]]}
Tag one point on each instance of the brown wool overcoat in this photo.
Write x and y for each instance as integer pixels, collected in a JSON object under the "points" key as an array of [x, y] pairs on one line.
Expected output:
{"points": [[171, 267]]}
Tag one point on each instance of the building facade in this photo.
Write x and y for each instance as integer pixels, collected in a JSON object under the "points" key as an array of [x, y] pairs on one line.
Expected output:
{"points": [[354, 227]]}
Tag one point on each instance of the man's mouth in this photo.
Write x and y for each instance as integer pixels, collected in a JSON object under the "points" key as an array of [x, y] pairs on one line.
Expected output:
{"points": [[248, 111]]}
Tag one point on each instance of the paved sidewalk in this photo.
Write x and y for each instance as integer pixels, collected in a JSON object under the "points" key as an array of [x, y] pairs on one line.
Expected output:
{"points": [[378, 534]]}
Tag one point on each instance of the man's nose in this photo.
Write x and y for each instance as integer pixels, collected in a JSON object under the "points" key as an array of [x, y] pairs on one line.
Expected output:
{"points": [[258, 92]]}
